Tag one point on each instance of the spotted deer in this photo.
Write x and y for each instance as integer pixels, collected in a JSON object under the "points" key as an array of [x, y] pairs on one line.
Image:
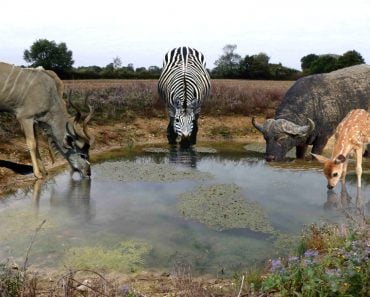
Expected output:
{"points": [[351, 135]]}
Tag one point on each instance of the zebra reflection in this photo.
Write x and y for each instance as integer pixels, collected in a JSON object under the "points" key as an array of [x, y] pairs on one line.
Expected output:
{"points": [[183, 156]]}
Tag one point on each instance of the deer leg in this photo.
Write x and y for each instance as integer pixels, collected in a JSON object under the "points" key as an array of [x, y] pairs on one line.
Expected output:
{"points": [[344, 173], [29, 132], [359, 166]]}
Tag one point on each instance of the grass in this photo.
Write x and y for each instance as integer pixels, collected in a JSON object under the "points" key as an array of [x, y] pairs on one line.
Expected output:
{"points": [[124, 99]]}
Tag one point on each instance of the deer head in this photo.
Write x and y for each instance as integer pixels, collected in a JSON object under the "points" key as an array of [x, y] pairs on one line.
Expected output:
{"points": [[333, 168]]}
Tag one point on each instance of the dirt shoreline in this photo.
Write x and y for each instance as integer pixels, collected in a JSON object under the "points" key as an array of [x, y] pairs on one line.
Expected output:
{"points": [[120, 136]]}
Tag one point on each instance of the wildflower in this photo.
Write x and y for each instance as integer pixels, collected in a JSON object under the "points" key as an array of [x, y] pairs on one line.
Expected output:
{"points": [[293, 259], [311, 253], [123, 290], [333, 272], [276, 265]]}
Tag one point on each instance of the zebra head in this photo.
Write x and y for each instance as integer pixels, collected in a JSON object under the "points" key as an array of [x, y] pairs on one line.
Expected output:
{"points": [[184, 119], [183, 123]]}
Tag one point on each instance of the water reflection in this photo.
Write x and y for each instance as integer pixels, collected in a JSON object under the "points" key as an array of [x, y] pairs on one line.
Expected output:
{"points": [[353, 209], [73, 197], [183, 156]]}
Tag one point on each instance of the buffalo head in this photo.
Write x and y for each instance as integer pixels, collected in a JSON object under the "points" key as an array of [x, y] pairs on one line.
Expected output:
{"points": [[282, 135]]}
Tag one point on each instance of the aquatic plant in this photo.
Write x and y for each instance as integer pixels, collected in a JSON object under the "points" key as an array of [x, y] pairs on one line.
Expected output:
{"points": [[127, 256], [149, 172], [223, 206]]}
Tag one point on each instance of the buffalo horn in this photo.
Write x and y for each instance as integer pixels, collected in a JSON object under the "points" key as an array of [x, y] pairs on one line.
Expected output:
{"points": [[259, 127]]}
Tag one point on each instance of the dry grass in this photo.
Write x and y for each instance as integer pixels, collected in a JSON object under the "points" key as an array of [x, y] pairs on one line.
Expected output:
{"points": [[125, 99]]}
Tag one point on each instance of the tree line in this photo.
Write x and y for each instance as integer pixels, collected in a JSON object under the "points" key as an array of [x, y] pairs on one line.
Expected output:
{"points": [[58, 57]]}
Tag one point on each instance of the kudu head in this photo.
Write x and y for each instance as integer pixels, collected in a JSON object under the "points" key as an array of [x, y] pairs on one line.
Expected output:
{"points": [[77, 141], [282, 135]]}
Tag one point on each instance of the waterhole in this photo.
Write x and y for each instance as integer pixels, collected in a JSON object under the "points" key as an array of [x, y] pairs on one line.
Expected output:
{"points": [[214, 210]]}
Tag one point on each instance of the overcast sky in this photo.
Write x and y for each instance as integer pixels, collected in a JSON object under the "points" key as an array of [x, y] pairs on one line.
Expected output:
{"points": [[142, 31]]}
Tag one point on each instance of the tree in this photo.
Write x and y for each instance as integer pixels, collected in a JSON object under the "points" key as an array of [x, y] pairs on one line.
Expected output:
{"points": [[255, 67], [50, 56], [228, 64], [324, 64], [307, 61], [117, 62], [350, 58]]}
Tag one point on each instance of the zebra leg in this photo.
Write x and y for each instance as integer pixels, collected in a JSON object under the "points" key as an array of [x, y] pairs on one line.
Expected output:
{"points": [[193, 136], [171, 135]]}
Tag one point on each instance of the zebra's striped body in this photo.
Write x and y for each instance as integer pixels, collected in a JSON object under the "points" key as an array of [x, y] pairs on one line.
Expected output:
{"points": [[184, 83]]}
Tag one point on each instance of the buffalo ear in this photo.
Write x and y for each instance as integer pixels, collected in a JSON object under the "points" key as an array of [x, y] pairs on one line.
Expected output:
{"points": [[340, 159], [320, 158]]}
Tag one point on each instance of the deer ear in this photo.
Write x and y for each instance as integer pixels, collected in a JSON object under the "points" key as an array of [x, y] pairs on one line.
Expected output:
{"points": [[340, 159], [319, 158]]}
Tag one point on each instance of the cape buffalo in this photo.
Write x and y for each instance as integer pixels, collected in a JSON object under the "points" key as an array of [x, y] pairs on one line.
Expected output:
{"points": [[312, 109]]}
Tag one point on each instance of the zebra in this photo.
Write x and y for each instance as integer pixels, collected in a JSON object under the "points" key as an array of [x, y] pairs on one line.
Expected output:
{"points": [[183, 84]]}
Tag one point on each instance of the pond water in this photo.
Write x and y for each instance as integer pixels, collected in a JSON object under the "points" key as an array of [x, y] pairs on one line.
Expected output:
{"points": [[216, 211]]}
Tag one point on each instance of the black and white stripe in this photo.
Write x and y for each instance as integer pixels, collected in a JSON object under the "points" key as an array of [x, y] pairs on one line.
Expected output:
{"points": [[184, 83]]}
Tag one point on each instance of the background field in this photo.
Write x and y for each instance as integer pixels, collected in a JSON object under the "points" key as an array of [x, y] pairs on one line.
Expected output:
{"points": [[119, 98]]}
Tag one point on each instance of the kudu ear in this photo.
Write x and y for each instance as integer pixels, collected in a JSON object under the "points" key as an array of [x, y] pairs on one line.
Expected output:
{"points": [[319, 158], [69, 138]]}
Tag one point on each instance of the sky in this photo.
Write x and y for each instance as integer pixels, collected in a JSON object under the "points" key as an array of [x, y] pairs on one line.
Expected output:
{"points": [[142, 31]]}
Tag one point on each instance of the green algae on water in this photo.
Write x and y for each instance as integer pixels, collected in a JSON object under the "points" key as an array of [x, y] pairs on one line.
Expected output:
{"points": [[222, 207], [128, 256], [129, 171]]}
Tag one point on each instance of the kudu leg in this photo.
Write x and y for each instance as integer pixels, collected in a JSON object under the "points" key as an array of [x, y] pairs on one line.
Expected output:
{"points": [[29, 132]]}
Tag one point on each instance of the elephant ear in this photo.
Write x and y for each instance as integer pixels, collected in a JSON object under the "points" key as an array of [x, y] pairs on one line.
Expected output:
{"points": [[294, 129]]}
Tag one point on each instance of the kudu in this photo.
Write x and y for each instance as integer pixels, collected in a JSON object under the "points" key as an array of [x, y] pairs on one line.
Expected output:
{"points": [[351, 135], [34, 95]]}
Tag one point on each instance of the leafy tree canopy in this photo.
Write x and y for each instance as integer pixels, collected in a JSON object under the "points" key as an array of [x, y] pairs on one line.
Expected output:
{"points": [[312, 64], [50, 55], [228, 64]]}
